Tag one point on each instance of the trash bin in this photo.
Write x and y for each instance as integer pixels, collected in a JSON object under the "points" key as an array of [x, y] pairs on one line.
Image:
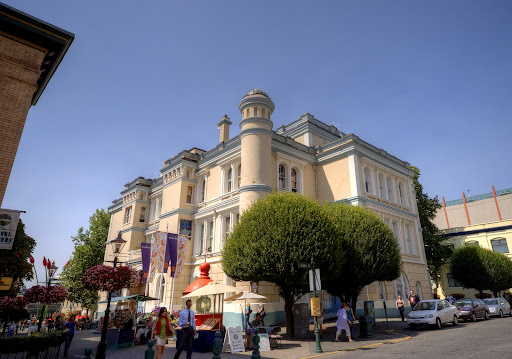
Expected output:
{"points": [[365, 327]]}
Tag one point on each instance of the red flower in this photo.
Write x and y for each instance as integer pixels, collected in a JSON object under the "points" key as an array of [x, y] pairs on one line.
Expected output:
{"points": [[44, 261], [31, 260]]}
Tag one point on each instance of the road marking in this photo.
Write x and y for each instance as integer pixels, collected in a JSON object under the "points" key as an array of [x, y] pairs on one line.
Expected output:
{"points": [[357, 348]]}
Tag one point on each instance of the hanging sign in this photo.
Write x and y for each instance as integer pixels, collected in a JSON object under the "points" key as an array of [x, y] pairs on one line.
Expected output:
{"points": [[8, 224], [5, 283], [186, 228]]}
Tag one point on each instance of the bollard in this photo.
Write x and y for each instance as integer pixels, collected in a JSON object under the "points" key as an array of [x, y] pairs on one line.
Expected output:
{"points": [[87, 353], [217, 345], [150, 352], [256, 345]]}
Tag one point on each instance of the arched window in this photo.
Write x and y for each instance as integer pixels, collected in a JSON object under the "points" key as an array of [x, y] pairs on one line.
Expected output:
{"points": [[401, 287], [282, 177], [239, 173], [401, 194], [230, 180], [419, 293], [294, 180], [391, 193], [382, 186], [368, 185]]}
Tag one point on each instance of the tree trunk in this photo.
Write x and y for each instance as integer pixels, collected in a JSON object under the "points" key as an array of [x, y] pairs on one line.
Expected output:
{"points": [[481, 292], [288, 308], [495, 293]]}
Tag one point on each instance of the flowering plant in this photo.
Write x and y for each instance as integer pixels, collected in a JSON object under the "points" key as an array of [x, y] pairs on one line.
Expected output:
{"points": [[15, 303], [47, 295], [105, 278]]}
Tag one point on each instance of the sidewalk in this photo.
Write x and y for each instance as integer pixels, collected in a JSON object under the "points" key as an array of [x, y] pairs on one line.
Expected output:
{"points": [[292, 349]]}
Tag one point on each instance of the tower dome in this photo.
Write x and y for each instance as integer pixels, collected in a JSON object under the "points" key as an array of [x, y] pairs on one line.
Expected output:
{"points": [[257, 91]]}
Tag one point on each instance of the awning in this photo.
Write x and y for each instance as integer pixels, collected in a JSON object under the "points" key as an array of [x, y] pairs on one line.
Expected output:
{"points": [[135, 297]]}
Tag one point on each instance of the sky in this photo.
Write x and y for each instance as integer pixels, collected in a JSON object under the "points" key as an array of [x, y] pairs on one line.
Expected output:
{"points": [[430, 82]]}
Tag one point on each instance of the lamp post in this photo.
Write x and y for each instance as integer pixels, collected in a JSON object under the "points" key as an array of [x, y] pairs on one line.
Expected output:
{"points": [[117, 246], [50, 269]]}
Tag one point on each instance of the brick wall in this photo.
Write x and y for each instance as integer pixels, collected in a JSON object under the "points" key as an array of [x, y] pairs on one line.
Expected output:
{"points": [[19, 71]]}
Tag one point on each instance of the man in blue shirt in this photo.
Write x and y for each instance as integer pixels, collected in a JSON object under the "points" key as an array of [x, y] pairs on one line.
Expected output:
{"points": [[187, 322]]}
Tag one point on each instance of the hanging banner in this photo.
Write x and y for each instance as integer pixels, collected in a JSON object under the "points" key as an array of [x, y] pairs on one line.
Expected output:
{"points": [[8, 224], [157, 254], [145, 253], [182, 251], [172, 250], [186, 228]]}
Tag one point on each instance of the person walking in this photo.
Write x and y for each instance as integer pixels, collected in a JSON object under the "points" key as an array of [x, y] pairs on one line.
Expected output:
{"points": [[161, 331], [351, 318], [261, 312], [187, 322], [400, 303], [71, 326], [342, 323], [413, 299], [248, 312]]}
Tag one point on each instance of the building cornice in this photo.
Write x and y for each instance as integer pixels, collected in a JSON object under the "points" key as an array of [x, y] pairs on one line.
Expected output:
{"points": [[364, 200]]}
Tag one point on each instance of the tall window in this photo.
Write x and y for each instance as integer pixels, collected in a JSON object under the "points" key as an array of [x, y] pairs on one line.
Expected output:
{"points": [[143, 214], [202, 235], [227, 225], [499, 245], [410, 244], [239, 172], [203, 191], [230, 180], [382, 189], [396, 232], [401, 287], [237, 218], [294, 180], [382, 291], [210, 236], [127, 215], [391, 193], [401, 194], [282, 177], [367, 180], [190, 191]]}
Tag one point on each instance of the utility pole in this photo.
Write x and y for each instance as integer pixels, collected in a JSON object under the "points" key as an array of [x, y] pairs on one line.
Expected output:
{"points": [[318, 348]]}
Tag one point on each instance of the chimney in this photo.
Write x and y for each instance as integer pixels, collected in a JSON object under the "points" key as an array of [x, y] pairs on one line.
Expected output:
{"points": [[224, 128]]}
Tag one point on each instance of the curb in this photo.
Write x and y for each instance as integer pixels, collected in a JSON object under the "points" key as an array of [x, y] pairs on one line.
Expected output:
{"points": [[394, 341]]}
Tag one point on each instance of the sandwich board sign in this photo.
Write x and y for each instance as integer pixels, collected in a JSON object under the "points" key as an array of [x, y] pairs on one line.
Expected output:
{"points": [[264, 342], [234, 340]]}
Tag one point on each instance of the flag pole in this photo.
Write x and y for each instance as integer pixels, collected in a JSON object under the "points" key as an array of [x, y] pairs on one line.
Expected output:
{"points": [[175, 272], [146, 291]]}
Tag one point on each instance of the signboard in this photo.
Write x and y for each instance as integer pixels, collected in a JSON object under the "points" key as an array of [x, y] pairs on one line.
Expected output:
{"points": [[315, 307], [5, 283], [317, 278], [234, 339], [186, 228], [264, 342], [8, 224]]}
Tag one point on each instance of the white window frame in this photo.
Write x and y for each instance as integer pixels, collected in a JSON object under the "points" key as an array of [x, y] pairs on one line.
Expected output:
{"points": [[239, 175], [402, 194], [190, 195], [211, 236], [390, 189], [368, 180], [229, 180], [127, 215], [143, 215], [281, 177], [382, 186]]}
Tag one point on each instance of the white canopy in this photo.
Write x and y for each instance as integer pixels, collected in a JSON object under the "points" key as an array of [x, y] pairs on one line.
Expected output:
{"points": [[245, 295], [212, 288]]}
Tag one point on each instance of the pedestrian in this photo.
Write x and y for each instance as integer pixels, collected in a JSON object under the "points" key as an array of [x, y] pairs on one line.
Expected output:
{"points": [[261, 312], [70, 325], [351, 318], [400, 303], [187, 322], [10, 331], [342, 323], [248, 312], [413, 299], [161, 331]]}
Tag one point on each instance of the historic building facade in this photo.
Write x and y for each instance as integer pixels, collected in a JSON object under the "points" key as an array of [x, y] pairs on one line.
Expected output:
{"points": [[213, 188], [483, 220]]}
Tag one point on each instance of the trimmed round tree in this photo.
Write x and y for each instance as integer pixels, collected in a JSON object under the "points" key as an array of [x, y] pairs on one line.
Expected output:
{"points": [[277, 235], [481, 269], [372, 252]]}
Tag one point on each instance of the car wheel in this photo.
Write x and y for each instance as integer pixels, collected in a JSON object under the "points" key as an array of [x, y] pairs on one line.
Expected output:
{"points": [[473, 317], [501, 314], [486, 316], [510, 312], [413, 326], [455, 320], [438, 323]]}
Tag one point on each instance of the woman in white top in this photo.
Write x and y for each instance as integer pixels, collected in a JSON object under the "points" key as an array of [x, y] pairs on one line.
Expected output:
{"points": [[342, 323]]}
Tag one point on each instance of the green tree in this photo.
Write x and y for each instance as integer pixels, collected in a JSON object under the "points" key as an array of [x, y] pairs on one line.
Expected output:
{"points": [[436, 253], [275, 236], [481, 269], [372, 252], [14, 263], [89, 251]]}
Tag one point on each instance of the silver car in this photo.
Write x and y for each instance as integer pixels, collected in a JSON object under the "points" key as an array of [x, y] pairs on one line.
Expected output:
{"points": [[498, 306]]}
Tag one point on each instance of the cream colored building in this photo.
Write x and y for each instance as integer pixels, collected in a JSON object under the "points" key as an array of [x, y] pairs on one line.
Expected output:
{"points": [[484, 220], [213, 188]]}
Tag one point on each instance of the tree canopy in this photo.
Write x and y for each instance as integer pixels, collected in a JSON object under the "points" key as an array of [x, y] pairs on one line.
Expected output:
{"points": [[481, 268], [14, 263], [89, 251], [372, 253], [436, 253], [274, 237]]}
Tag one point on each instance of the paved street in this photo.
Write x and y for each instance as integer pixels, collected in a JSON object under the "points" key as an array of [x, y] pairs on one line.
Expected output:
{"points": [[483, 339]]}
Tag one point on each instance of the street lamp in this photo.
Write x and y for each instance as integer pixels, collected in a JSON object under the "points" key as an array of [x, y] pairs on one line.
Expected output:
{"points": [[50, 269], [117, 246]]}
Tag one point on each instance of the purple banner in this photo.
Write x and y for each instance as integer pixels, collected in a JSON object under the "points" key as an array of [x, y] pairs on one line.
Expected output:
{"points": [[171, 252], [145, 249]]}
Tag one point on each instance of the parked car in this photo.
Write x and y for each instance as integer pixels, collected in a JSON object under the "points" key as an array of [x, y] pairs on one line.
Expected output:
{"points": [[498, 306], [433, 312], [471, 309]]}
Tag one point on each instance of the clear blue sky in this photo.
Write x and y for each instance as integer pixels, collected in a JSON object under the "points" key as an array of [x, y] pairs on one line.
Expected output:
{"points": [[428, 81]]}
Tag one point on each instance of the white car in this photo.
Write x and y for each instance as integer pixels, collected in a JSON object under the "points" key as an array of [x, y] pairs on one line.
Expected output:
{"points": [[433, 312]]}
